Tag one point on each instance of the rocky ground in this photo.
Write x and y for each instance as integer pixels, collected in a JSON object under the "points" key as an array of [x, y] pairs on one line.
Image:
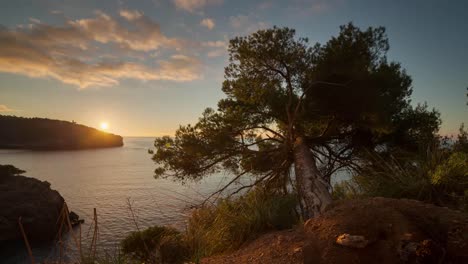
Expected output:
{"points": [[34, 201], [376, 230]]}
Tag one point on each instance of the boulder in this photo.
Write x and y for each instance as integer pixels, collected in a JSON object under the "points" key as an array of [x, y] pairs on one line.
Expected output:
{"points": [[34, 201], [75, 219]]}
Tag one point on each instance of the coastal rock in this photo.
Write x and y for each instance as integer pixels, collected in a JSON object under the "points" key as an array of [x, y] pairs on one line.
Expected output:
{"points": [[34, 201], [75, 219]]}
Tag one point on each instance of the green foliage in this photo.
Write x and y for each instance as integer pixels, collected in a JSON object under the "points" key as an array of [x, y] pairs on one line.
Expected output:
{"points": [[452, 171], [415, 129], [106, 257], [340, 98], [439, 177], [229, 224], [461, 143], [155, 245], [213, 229]]}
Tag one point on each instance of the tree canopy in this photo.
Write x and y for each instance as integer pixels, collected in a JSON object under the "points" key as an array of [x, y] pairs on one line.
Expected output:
{"points": [[336, 99]]}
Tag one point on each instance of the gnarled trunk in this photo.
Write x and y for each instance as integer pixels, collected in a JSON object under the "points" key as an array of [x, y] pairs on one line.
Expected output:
{"points": [[312, 188]]}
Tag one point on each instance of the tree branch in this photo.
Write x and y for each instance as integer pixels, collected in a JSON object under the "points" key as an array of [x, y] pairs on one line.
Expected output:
{"points": [[225, 186]]}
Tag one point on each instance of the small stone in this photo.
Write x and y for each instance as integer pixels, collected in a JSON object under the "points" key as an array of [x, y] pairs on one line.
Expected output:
{"points": [[353, 241]]}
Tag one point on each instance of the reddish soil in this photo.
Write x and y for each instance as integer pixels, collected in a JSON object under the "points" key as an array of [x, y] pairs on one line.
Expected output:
{"points": [[398, 231]]}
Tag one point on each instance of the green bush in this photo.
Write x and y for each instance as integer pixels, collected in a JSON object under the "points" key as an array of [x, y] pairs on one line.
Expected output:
{"points": [[453, 171], [440, 177], [113, 256], [214, 229], [155, 245], [229, 224], [345, 190]]}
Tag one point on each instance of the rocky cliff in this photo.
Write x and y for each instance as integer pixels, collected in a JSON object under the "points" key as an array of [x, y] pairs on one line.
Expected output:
{"points": [[33, 200]]}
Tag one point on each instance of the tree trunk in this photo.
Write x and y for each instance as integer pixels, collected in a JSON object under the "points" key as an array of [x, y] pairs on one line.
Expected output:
{"points": [[313, 190]]}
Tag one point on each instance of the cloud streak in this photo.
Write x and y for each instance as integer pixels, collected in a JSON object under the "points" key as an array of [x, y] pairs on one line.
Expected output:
{"points": [[208, 23], [194, 5], [246, 24], [73, 53], [4, 108]]}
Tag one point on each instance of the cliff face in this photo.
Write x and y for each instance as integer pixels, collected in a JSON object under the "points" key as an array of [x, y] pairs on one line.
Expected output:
{"points": [[46, 134], [34, 201]]}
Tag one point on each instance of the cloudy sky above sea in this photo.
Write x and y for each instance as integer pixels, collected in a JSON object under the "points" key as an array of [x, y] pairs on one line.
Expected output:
{"points": [[147, 66]]}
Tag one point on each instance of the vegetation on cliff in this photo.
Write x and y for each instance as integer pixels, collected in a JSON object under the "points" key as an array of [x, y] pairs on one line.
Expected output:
{"points": [[214, 229], [47, 134], [393, 231], [438, 174]]}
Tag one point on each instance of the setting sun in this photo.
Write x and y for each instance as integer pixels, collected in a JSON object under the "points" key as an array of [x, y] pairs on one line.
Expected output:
{"points": [[104, 125]]}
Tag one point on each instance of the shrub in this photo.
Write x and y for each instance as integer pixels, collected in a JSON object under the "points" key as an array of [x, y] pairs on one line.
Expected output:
{"points": [[345, 190], [113, 256], [450, 179], [440, 177], [226, 226], [155, 245], [214, 229]]}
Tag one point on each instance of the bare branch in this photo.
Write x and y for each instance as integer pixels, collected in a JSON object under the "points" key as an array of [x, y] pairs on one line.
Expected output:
{"points": [[225, 186]]}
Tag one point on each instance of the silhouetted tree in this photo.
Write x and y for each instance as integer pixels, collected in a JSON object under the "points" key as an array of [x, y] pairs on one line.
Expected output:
{"points": [[291, 105], [10, 170]]}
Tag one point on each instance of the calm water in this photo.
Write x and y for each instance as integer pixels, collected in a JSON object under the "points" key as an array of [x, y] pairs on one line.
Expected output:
{"points": [[106, 179]]}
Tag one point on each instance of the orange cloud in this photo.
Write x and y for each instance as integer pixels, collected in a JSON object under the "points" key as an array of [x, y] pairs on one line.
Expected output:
{"points": [[208, 23], [71, 55], [193, 5], [4, 108], [144, 36]]}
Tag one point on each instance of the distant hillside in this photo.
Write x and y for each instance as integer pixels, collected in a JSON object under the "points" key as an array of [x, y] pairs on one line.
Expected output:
{"points": [[42, 133]]}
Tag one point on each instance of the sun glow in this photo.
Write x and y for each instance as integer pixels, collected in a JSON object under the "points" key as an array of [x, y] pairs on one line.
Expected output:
{"points": [[104, 125]]}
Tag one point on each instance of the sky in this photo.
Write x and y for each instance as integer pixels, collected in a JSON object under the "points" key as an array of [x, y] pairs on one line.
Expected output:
{"points": [[147, 66]]}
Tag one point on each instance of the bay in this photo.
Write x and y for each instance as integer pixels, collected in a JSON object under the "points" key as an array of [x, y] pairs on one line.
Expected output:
{"points": [[109, 180]]}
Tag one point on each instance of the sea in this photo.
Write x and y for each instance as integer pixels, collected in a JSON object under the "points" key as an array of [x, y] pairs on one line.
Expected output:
{"points": [[119, 183]]}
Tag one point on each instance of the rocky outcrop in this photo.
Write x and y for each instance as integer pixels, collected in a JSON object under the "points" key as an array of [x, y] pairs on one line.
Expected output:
{"points": [[376, 230], [34, 201]]}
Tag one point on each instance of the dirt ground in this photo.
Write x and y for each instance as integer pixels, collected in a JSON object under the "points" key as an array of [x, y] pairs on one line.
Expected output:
{"points": [[396, 231]]}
